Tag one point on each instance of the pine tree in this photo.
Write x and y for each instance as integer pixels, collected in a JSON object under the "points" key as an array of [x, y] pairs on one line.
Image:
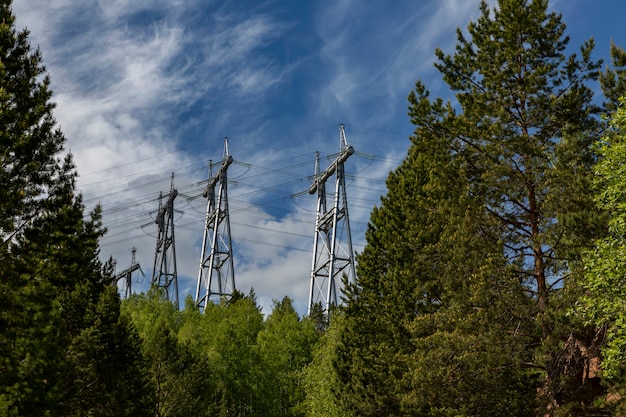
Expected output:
{"points": [[474, 255], [36, 183], [525, 130], [613, 80]]}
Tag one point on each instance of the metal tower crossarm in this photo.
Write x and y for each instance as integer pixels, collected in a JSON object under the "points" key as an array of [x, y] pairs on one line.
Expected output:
{"points": [[324, 176], [216, 178], [127, 275]]}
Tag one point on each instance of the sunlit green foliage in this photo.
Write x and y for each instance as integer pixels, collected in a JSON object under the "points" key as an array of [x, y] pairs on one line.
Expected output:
{"points": [[227, 360], [604, 301]]}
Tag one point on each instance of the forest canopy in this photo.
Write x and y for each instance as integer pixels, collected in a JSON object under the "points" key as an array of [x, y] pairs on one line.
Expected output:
{"points": [[491, 282]]}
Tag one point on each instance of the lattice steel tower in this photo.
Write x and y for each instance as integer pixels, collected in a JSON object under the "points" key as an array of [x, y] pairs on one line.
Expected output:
{"points": [[164, 274], [216, 275], [127, 276], [332, 247]]}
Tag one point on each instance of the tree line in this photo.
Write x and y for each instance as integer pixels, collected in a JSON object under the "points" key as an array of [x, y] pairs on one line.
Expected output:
{"points": [[492, 281]]}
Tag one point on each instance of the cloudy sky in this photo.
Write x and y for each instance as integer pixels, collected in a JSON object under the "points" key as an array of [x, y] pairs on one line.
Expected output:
{"points": [[147, 88]]}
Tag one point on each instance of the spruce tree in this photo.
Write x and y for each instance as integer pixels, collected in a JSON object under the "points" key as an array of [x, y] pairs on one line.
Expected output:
{"points": [[397, 279], [61, 336]]}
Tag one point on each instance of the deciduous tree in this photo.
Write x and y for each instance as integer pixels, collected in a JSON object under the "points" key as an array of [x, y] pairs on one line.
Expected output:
{"points": [[285, 346], [605, 278]]}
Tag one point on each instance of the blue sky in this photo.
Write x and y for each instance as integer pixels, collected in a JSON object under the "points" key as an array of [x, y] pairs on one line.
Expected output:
{"points": [[149, 87]]}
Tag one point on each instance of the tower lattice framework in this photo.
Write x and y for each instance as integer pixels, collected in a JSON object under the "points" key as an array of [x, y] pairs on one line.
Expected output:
{"points": [[332, 248], [216, 275], [164, 272], [127, 276]]}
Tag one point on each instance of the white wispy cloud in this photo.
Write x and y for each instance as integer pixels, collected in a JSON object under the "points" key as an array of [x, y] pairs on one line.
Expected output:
{"points": [[375, 53], [119, 87]]}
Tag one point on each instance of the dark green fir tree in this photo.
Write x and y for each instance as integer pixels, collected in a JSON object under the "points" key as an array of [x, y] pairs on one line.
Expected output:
{"points": [[64, 349]]}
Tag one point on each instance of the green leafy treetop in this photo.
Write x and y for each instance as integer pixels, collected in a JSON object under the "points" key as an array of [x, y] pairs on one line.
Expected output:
{"points": [[605, 278]]}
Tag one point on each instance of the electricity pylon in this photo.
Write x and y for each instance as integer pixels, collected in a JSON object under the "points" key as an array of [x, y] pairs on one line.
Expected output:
{"points": [[216, 275], [164, 274], [127, 275], [332, 247]]}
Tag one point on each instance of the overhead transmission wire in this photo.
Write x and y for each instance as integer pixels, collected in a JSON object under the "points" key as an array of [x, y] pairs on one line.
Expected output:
{"points": [[133, 220], [123, 221], [178, 151], [171, 168], [125, 187], [197, 146], [267, 242], [373, 129], [198, 221], [247, 208], [120, 189], [197, 192], [252, 207], [235, 236], [146, 198], [136, 174], [277, 140], [161, 155], [186, 226]]}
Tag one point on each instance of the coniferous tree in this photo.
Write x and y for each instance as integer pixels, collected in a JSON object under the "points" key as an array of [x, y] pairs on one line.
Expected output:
{"points": [[397, 279], [420, 276], [58, 314], [474, 255], [613, 79], [525, 129]]}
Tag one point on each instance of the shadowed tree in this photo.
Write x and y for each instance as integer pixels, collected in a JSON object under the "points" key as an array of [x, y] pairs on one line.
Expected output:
{"points": [[64, 348]]}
